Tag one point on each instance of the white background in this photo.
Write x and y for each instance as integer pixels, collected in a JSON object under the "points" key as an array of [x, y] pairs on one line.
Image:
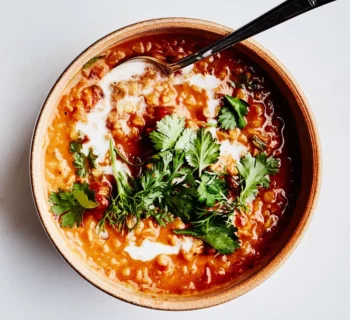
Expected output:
{"points": [[39, 38]]}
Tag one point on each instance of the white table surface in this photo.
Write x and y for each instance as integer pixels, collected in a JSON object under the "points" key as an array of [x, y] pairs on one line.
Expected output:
{"points": [[38, 38]]}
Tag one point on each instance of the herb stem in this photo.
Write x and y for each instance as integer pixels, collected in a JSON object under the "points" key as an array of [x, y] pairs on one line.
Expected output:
{"points": [[121, 156]]}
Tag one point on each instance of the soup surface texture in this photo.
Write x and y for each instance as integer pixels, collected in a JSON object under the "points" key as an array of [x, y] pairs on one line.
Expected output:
{"points": [[175, 184]]}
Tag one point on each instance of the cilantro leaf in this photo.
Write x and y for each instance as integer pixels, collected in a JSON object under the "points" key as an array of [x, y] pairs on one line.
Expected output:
{"points": [[61, 202], [168, 132], [203, 152], [72, 218], [241, 109], [217, 234], [255, 173], [71, 205], [177, 169], [186, 139], [227, 119], [232, 114], [211, 189]]}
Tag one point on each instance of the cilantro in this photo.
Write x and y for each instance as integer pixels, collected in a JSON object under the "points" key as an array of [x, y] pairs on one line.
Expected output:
{"points": [[168, 132], [71, 205], [163, 188], [176, 182], [217, 234], [232, 114], [254, 172], [227, 119], [186, 139], [80, 161], [203, 152], [211, 189]]}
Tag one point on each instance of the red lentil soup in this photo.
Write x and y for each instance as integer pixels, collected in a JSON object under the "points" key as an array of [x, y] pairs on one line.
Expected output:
{"points": [[106, 171]]}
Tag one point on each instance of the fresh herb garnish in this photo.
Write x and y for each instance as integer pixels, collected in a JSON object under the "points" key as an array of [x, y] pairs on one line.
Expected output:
{"points": [[217, 233], [227, 119], [122, 205], [203, 152], [176, 182], [168, 132], [211, 189], [80, 161], [232, 114], [71, 205], [186, 140], [254, 173]]}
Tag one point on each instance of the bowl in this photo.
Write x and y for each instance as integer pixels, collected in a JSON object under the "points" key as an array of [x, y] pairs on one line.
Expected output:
{"points": [[309, 154]]}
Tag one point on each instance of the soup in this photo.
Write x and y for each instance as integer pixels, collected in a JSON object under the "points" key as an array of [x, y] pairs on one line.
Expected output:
{"points": [[171, 185]]}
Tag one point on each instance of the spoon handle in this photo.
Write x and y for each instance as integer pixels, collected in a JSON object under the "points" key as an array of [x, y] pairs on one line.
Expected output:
{"points": [[283, 12]]}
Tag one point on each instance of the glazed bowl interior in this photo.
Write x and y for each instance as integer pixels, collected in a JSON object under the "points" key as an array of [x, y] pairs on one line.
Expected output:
{"points": [[306, 141]]}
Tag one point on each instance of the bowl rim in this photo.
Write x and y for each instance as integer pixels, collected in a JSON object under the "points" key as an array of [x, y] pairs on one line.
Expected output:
{"points": [[274, 264]]}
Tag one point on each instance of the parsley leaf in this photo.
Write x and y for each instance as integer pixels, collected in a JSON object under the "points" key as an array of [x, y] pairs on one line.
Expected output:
{"points": [[227, 119], [203, 152], [84, 195], [232, 114], [168, 132], [71, 205], [255, 173], [217, 234], [72, 218], [211, 189]]}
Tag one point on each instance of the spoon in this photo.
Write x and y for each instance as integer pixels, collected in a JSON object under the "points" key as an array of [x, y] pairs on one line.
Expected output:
{"points": [[283, 12]]}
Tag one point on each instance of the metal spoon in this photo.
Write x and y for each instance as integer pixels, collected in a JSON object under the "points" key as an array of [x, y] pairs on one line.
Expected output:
{"points": [[285, 11]]}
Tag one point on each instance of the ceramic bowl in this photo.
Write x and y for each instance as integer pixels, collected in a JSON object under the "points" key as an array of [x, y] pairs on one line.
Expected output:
{"points": [[303, 208]]}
